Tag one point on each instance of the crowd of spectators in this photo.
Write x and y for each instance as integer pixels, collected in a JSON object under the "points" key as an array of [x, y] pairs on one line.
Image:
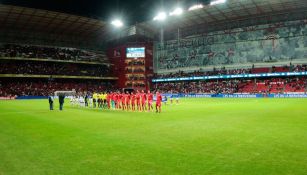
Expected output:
{"points": [[272, 85], [52, 68], [32, 87], [43, 87], [212, 87], [200, 72], [224, 71], [27, 51], [298, 68]]}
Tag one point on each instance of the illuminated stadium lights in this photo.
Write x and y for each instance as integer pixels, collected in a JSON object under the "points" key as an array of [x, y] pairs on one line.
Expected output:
{"points": [[217, 2], [177, 11], [160, 17], [117, 23], [195, 7]]}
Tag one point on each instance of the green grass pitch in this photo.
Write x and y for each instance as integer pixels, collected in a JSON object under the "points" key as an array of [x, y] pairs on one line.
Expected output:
{"points": [[198, 136]]}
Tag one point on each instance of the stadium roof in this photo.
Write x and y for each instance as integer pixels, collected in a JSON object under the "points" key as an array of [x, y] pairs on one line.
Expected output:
{"points": [[54, 27], [232, 10]]}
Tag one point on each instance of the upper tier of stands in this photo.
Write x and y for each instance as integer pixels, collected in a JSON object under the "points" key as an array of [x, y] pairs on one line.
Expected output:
{"points": [[55, 53], [53, 68], [274, 43], [223, 71]]}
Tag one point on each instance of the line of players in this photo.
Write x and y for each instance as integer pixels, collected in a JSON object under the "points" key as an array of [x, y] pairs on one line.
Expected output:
{"points": [[139, 101]]}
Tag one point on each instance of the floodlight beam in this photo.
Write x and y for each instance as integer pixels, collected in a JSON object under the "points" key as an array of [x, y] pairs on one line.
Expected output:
{"points": [[176, 12], [161, 16], [117, 23], [215, 2], [196, 7]]}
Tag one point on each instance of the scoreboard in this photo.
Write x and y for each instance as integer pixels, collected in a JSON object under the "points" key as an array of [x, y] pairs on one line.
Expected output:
{"points": [[135, 52]]}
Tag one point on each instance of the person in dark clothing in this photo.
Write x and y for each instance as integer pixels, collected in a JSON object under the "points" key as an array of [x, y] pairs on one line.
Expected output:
{"points": [[94, 102], [86, 100], [50, 99], [61, 101]]}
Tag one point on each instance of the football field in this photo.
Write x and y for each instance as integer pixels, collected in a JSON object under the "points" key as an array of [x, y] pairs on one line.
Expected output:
{"points": [[198, 136]]}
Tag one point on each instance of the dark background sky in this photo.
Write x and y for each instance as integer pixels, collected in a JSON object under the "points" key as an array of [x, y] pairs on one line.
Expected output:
{"points": [[131, 11]]}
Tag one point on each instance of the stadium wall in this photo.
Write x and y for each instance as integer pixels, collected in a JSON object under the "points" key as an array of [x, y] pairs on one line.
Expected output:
{"points": [[117, 56], [276, 43], [30, 97]]}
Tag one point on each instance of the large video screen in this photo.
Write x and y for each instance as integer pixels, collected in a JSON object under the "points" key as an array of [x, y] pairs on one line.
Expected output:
{"points": [[135, 52]]}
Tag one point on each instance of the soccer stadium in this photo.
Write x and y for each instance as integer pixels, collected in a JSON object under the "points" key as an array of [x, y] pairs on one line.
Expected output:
{"points": [[148, 87]]}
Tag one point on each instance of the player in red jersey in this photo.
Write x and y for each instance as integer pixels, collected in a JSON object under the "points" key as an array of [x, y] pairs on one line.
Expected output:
{"points": [[132, 101], [149, 101], [122, 101], [108, 99], [138, 100], [112, 100], [143, 100], [118, 100], [158, 102], [127, 101], [115, 100]]}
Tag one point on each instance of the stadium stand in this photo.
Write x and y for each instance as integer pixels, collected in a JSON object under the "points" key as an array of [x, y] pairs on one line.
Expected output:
{"points": [[43, 52], [43, 87], [40, 54], [52, 68], [273, 43], [46, 69], [223, 71], [250, 86]]}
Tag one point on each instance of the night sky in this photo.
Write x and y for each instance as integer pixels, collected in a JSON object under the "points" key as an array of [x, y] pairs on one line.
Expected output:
{"points": [[131, 11]]}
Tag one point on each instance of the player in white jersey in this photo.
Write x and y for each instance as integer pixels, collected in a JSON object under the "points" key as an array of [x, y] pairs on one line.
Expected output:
{"points": [[72, 101], [90, 100], [81, 101], [76, 101]]}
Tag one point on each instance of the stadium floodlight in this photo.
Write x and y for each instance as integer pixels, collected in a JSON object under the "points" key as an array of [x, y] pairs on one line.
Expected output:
{"points": [[160, 17], [215, 2], [195, 7], [117, 23], [176, 12]]}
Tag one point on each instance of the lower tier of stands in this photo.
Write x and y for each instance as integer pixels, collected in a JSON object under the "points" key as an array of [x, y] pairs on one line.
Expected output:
{"points": [[45, 87], [267, 85]]}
